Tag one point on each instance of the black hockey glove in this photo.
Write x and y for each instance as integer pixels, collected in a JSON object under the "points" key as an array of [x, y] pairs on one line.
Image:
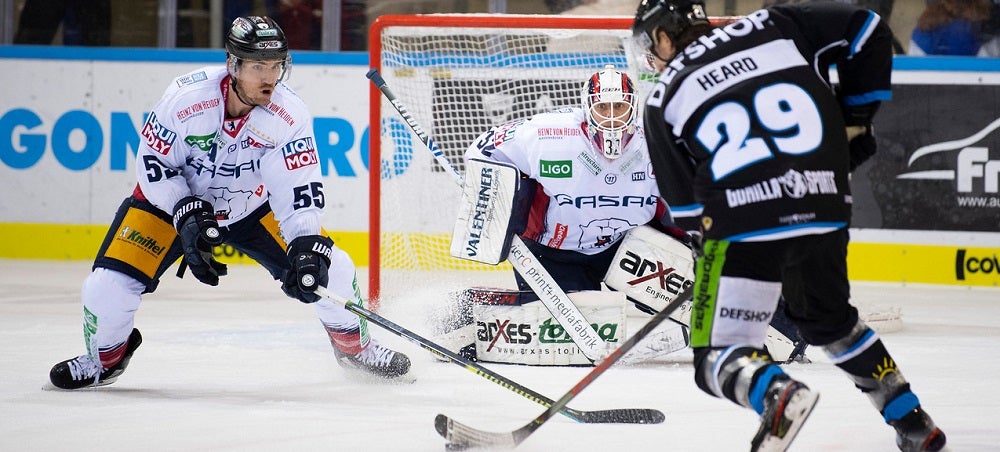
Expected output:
{"points": [[862, 147], [199, 232], [309, 257]]}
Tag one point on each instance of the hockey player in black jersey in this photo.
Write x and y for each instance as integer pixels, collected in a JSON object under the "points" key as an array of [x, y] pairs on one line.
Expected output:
{"points": [[752, 146]]}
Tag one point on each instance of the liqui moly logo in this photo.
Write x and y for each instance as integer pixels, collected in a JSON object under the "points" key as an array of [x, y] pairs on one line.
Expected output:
{"points": [[157, 137], [300, 153]]}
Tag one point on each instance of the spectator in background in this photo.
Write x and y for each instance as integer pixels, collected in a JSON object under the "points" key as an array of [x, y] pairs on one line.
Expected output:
{"points": [[303, 20], [990, 33], [950, 27], [86, 23]]}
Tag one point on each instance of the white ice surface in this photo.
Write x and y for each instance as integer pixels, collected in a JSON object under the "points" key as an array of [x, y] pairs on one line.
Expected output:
{"points": [[240, 367]]}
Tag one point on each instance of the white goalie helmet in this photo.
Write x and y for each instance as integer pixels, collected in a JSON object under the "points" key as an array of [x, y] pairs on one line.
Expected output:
{"points": [[610, 103]]}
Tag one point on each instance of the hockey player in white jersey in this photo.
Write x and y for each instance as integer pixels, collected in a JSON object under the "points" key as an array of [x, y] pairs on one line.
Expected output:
{"points": [[588, 181], [227, 155]]}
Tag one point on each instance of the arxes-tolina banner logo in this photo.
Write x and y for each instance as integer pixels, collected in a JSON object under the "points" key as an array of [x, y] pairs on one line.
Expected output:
{"points": [[974, 171]]}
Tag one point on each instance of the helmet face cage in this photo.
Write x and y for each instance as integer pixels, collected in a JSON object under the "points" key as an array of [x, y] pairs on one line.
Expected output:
{"points": [[611, 106], [257, 38], [670, 16]]}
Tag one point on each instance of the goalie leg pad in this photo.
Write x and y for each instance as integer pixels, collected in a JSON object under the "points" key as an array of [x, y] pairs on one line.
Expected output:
{"points": [[652, 268], [528, 334], [497, 325]]}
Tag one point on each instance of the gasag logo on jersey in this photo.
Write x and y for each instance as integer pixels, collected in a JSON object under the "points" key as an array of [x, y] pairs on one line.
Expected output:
{"points": [[156, 136], [555, 168], [203, 142], [596, 201], [792, 184], [300, 153]]}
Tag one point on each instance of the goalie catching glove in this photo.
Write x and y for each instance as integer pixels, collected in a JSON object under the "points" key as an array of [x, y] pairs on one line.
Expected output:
{"points": [[309, 257], [199, 232]]}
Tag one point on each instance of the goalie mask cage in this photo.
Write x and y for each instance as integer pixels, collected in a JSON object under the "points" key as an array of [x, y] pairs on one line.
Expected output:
{"points": [[459, 75]]}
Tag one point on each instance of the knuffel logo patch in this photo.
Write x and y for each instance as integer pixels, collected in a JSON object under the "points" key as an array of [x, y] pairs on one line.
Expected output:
{"points": [[556, 168]]}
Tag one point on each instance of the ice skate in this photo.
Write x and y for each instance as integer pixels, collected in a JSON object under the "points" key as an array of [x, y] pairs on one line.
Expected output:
{"points": [[787, 405], [82, 371], [376, 360], [916, 432]]}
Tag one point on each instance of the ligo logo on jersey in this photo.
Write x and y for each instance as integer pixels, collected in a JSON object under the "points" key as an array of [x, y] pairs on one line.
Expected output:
{"points": [[300, 153], [555, 168], [157, 137], [203, 142]]}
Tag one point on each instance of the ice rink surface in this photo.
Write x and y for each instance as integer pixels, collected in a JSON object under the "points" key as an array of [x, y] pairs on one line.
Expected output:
{"points": [[240, 367]]}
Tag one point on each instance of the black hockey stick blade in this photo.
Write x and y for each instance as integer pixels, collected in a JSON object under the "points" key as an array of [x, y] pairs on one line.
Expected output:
{"points": [[611, 416], [462, 436]]}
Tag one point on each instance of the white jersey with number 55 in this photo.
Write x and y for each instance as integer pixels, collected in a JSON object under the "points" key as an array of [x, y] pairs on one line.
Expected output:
{"points": [[585, 202], [188, 147]]}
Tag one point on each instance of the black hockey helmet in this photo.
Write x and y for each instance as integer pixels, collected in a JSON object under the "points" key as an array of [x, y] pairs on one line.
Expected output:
{"points": [[671, 16], [256, 38]]}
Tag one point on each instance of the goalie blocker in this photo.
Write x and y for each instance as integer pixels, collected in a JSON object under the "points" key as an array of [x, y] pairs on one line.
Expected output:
{"points": [[652, 268], [494, 208]]}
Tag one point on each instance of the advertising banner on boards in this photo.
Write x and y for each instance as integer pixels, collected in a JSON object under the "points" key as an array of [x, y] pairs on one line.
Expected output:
{"points": [[938, 161]]}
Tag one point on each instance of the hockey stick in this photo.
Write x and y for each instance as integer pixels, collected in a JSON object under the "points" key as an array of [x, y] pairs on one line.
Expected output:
{"points": [[617, 416], [460, 436], [524, 262]]}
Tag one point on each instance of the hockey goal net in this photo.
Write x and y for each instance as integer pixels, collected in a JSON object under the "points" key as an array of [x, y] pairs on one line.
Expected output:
{"points": [[459, 75]]}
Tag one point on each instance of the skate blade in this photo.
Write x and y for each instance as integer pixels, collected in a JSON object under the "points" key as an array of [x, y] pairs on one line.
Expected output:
{"points": [[797, 411]]}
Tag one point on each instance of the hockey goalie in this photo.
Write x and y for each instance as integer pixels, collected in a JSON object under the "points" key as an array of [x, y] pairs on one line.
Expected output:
{"points": [[576, 185]]}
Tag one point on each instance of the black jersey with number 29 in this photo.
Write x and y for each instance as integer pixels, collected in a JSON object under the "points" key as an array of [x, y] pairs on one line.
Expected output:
{"points": [[746, 132]]}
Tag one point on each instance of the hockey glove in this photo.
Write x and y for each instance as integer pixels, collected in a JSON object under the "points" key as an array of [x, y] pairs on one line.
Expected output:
{"points": [[862, 147], [199, 231], [309, 257]]}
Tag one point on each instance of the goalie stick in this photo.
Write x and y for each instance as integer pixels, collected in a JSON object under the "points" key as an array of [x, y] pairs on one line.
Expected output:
{"points": [[461, 436], [525, 263], [612, 416]]}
